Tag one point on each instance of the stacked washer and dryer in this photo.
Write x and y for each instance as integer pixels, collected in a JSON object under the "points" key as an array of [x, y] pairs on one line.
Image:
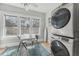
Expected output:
{"points": [[65, 30]]}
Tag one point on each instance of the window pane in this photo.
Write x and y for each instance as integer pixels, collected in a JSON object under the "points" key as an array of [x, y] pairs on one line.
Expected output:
{"points": [[25, 25], [11, 25], [35, 26]]}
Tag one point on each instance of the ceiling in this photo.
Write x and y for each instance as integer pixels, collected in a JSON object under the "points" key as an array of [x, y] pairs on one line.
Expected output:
{"points": [[42, 7]]}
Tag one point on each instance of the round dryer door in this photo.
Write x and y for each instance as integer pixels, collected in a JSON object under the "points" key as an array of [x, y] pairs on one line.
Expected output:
{"points": [[59, 49], [60, 18]]}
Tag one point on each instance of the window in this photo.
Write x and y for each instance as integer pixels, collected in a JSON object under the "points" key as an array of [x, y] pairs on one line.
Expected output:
{"points": [[35, 25], [25, 25], [21, 25], [11, 25]]}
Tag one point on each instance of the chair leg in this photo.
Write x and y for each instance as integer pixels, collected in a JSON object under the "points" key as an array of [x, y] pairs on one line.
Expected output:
{"points": [[18, 48], [20, 45], [24, 46]]}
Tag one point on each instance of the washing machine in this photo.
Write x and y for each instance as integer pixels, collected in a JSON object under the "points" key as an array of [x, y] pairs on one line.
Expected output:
{"points": [[61, 46], [65, 20], [65, 24]]}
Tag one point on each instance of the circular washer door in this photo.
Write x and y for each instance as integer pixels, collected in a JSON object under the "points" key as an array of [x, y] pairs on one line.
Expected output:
{"points": [[59, 49], [60, 18]]}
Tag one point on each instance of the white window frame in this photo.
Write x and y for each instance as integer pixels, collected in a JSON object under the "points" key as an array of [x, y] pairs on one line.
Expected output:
{"points": [[39, 23], [20, 23], [4, 27], [17, 25], [18, 18]]}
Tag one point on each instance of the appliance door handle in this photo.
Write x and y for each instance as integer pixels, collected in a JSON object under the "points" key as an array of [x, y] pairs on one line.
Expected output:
{"points": [[53, 38], [66, 40]]}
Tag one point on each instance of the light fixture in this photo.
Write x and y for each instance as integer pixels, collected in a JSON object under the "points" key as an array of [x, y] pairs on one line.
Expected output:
{"points": [[29, 6]]}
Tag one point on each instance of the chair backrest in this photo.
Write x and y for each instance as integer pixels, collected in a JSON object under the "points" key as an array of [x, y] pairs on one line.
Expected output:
{"points": [[19, 37], [36, 36], [25, 36]]}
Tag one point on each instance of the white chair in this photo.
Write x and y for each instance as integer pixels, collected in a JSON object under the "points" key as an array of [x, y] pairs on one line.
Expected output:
{"points": [[25, 40]]}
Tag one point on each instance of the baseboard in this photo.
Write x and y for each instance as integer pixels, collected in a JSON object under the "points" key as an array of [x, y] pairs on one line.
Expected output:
{"points": [[3, 45]]}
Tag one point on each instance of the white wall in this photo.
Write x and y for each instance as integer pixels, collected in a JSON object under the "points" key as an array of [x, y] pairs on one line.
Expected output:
{"points": [[15, 10], [48, 14], [1, 26], [12, 9], [40, 7]]}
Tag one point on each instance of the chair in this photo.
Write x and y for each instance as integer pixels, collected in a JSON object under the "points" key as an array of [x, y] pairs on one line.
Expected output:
{"points": [[24, 42]]}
